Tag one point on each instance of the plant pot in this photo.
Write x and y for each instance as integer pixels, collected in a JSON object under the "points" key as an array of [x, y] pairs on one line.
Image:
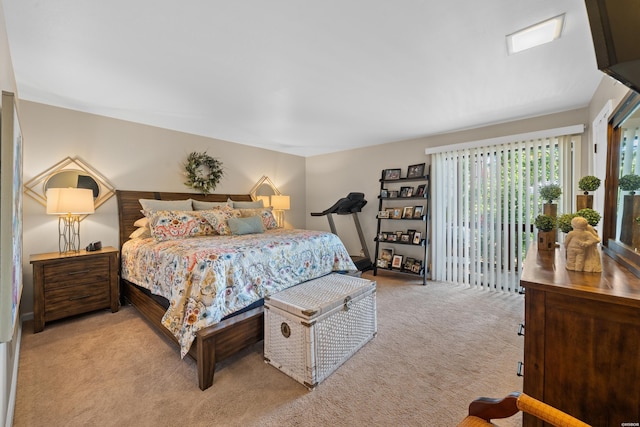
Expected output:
{"points": [[584, 201], [629, 228], [546, 240]]}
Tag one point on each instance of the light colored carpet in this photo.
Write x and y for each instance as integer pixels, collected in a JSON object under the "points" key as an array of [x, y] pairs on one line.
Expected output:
{"points": [[438, 347]]}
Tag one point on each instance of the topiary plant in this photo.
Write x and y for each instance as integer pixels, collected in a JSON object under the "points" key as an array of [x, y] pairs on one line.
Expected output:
{"points": [[630, 182], [592, 217], [545, 222], [564, 222], [589, 183], [550, 192]]}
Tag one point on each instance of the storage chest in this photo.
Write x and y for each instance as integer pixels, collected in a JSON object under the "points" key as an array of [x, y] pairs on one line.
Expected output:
{"points": [[313, 328]]}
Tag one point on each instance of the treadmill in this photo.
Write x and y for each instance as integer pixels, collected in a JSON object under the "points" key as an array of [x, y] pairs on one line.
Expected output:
{"points": [[350, 205]]}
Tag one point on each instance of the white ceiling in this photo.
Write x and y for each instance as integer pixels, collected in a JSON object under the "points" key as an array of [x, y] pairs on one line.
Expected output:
{"points": [[300, 76]]}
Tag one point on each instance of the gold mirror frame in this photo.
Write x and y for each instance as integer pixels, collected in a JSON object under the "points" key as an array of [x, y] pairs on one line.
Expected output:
{"points": [[263, 181], [36, 187], [617, 250]]}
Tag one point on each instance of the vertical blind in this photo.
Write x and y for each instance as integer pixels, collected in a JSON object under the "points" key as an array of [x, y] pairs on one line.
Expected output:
{"points": [[485, 200]]}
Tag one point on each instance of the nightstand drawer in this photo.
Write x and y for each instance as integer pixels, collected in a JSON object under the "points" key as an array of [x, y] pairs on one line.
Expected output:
{"points": [[64, 274], [69, 300]]}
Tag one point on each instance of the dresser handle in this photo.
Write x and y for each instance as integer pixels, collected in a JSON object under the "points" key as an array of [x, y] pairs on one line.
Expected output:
{"points": [[521, 329], [520, 372], [78, 272], [79, 297]]}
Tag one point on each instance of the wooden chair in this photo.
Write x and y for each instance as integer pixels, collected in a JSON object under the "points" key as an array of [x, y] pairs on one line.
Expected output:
{"points": [[483, 410]]}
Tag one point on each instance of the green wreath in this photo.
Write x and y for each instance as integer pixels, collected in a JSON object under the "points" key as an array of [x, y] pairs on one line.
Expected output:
{"points": [[203, 172]]}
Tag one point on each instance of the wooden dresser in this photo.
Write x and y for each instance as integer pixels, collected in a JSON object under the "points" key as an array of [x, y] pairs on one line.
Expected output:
{"points": [[582, 339]]}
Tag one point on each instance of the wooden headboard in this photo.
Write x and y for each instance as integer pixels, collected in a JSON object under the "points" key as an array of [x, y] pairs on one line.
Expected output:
{"points": [[129, 206]]}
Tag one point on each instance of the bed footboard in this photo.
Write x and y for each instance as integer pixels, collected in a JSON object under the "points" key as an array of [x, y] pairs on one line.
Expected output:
{"points": [[212, 344]]}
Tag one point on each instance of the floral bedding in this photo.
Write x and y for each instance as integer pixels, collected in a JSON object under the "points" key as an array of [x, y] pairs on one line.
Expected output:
{"points": [[208, 278]]}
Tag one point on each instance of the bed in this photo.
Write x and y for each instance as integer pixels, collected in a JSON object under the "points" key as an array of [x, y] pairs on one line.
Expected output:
{"points": [[231, 322]]}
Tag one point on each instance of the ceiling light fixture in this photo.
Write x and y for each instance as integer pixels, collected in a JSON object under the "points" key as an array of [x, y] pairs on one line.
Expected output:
{"points": [[535, 35]]}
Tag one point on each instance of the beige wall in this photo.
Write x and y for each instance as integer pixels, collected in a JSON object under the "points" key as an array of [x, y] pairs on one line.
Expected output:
{"points": [[134, 157]]}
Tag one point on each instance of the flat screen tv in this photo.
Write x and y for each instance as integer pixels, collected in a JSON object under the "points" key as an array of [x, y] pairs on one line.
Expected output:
{"points": [[615, 29]]}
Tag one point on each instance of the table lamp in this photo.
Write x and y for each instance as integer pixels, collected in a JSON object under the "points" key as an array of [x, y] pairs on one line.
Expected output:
{"points": [[69, 204], [280, 203]]}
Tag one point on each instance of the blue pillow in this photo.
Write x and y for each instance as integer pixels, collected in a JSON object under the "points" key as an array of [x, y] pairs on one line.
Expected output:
{"points": [[250, 225]]}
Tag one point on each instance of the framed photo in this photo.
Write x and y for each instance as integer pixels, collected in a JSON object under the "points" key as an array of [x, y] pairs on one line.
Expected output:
{"points": [[383, 214], [416, 267], [408, 264], [382, 263], [384, 236], [415, 171], [406, 191], [407, 212], [384, 193], [397, 262], [392, 174], [386, 254], [397, 213], [420, 190], [404, 238], [392, 237], [417, 211], [417, 238], [393, 194]]}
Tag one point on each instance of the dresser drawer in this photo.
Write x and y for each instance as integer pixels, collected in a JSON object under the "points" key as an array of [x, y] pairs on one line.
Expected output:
{"points": [[66, 301], [65, 274]]}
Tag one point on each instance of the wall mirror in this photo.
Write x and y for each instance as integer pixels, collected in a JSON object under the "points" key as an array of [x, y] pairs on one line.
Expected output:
{"points": [[70, 172], [264, 188], [621, 231]]}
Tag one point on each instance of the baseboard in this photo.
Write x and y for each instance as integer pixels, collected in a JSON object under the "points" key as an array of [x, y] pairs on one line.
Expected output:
{"points": [[11, 403]]}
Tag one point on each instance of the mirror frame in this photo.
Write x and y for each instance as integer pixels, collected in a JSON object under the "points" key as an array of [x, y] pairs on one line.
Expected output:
{"points": [[263, 181], [617, 250], [35, 188]]}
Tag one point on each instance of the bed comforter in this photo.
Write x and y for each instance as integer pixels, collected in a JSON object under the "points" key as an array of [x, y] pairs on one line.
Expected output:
{"points": [[208, 278]]}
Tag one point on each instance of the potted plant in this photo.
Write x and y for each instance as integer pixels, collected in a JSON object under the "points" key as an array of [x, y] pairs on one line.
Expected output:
{"points": [[586, 184], [564, 222], [549, 193], [592, 217], [546, 225], [630, 229]]}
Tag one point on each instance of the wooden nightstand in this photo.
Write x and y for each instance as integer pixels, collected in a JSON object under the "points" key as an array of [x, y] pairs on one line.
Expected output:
{"points": [[73, 283]]}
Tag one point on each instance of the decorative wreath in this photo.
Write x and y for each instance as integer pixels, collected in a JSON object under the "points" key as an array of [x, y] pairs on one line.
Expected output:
{"points": [[203, 172]]}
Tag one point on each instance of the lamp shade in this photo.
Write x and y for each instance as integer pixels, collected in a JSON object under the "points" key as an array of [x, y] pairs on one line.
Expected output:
{"points": [[281, 202], [64, 201]]}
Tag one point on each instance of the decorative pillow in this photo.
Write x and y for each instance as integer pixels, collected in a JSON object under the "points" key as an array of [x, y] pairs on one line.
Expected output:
{"points": [[266, 215], [165, 205], [217, 218], [140, 233], [202, 206], [142, 222], [246, 205], [168, 225], [250, 225]]}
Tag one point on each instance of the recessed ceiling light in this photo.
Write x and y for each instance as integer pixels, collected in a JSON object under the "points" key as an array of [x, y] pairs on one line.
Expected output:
{"points": [[535, 35]]}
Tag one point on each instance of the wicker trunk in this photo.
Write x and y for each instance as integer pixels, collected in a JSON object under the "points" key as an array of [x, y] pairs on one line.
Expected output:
{"points": [[313, 328]]}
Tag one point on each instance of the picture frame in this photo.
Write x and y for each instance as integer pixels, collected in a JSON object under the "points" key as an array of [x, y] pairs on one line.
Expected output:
{"points": [[391, 174], [382, 263], [409, 263], [405, 238], [416, 267], [406, 191], [386, 254], [384, 193], [393, 194], [407, 212], [417, 238], [416, 171], [396, 213], [420, 190], [383, 214], [393, 237], [396, 264], [384, 236], [11, 182], [417, 211]]}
